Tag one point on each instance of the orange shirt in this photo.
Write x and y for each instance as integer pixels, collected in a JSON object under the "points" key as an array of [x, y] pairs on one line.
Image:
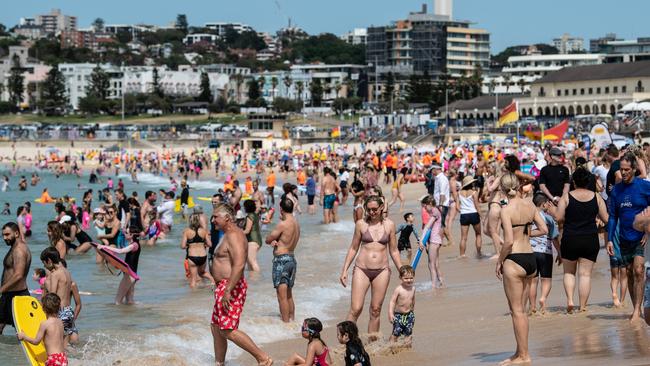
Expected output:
{"points": [[270, 180], [426, 160], [375, 161], [389, 161], [302, 178], [249, 187], [395, 163]]}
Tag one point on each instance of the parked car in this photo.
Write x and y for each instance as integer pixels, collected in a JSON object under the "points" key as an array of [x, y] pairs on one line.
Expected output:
{"points": [[214, 144], [304, 128]]}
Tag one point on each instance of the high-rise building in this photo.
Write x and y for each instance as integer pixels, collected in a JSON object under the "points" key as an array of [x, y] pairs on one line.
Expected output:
{"points": [[357, 36], [596, 43], [569, 44], [55, 22], [443, 8], [425, 44]]}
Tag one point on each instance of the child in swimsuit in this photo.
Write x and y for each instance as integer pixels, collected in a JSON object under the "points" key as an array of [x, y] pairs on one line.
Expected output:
{"points": [[39, 276], [317, 351], [50, 332], [348, 334], [400, 310]]}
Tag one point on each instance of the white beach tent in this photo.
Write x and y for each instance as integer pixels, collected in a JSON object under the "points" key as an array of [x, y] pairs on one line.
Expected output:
{"points": [[634, 107]]}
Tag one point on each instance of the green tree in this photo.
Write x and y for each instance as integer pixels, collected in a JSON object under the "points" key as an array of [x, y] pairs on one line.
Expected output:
{"points": [[389, 87], [54, 96], [274, 85], [253, 89], [328, 48], [283, 105], [100, 82], [124, 36], [16, 82], [91, 104], [316, 90], [206, 93], [156, 88], [98, 25], [181, 23], [419, 89], [300, 87], [3, 30]]}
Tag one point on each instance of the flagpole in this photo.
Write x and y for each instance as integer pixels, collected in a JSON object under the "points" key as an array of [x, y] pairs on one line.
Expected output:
{"points": [[517, 105]]}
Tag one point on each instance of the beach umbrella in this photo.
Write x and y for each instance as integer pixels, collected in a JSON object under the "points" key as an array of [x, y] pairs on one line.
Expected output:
{"points": [[630, 107], [643, 106], [423, 150], [401, 144], [52, 150]]}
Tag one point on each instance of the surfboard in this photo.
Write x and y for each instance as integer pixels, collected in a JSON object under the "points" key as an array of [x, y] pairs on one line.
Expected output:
{"points": [[418, 254], [116, 262], [190, 204], [209, 199], [39, 200], [28, 316]]}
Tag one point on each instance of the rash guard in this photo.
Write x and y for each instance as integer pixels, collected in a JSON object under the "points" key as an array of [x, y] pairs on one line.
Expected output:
{"points": [[625, 202]]}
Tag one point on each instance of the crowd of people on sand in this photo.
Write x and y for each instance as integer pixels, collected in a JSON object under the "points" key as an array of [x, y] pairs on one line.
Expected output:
{"points": [[546, 204]]}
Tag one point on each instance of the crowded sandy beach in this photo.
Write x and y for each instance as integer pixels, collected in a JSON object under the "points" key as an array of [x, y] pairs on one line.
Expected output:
{"points": [[365, 206]]}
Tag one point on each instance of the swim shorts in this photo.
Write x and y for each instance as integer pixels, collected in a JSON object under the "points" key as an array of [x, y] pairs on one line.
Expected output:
{"points": [[470, 219], [284, 270], [6, 304], [629, 250], [403, 245], [328, 201], [67, 317], [310, 199], [403, 324], [646, 301], [544, 264], [57, 359], [229, 319]]}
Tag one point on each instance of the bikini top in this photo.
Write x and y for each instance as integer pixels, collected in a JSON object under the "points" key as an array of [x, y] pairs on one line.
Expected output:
{"points": [[366, 237], [196, 239], [526, 225]]}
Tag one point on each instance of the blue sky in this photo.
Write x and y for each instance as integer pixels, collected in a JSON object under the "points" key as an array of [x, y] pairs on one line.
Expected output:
{"points": [[511, 22]]}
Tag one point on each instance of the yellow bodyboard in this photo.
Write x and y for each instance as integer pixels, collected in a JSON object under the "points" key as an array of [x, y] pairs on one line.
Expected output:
{"points": [[190, 204], [28, 316]]}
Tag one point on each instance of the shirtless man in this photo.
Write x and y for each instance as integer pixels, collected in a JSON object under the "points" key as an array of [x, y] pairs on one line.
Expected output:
{"points": [[227, 269], [258, 195], [236, 195], [328, 191], [14, 275], [59, 282], [148, 204], [284, 239]]}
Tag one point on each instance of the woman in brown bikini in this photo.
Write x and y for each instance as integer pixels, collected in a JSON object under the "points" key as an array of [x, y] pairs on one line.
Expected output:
{"points": [[374, 241]]}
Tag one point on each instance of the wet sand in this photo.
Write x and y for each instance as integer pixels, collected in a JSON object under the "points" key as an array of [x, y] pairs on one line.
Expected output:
{"points": [[468, 323]]}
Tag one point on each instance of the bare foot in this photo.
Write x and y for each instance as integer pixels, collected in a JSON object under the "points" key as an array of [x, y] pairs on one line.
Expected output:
{"points": [[636, 318], [532, 312], [569, 309], [494, 257], [268, 362], [542, 305], [515, 360], [462, 256]]}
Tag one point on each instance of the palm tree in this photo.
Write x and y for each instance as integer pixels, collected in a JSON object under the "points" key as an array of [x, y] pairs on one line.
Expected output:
{"points": [[274, 85], [338, 87], [261, 81], [506, 81], [492, 86], [239, 80], [522, 84], [350, 86], [287, 82], [300, 85]]}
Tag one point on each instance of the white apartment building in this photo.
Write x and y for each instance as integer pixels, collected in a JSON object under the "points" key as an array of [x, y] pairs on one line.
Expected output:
{"points": [[530, 68], [34, 72], [568, 44], [55, 22], [467, 50], [191, 39], [77, 80], [356, 36], [221, 27], [139, 79]]}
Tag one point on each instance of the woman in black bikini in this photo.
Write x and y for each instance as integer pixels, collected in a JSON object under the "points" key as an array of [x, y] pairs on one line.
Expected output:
{"points": [[71, 232], [195, 241], [374, 240], [516, 264]]}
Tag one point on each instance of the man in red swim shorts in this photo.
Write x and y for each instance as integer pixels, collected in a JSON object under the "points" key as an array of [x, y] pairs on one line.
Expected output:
{"points": [[228, 271]]}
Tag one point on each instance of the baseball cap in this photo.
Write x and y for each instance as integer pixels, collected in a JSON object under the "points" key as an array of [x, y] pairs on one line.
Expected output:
{"points": [[555, 152]]}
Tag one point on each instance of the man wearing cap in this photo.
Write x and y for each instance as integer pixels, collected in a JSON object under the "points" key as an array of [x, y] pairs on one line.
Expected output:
{"points": [[554, 179]]}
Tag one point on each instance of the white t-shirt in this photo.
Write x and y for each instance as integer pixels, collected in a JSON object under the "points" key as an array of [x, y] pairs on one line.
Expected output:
{"points": [[601, 172], [345, 176], [441, 187], [166, 212]]}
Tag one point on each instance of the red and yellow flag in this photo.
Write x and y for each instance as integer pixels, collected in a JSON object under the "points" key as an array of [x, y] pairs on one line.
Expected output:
{"points": [[336, 132], [509, 114]]}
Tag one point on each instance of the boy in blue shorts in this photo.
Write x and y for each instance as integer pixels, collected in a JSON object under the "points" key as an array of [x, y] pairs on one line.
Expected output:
{"points": [[402, 303]]}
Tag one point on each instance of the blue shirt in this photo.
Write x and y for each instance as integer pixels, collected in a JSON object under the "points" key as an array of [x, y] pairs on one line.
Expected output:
{"points": [[625, 202], [311, 186]]}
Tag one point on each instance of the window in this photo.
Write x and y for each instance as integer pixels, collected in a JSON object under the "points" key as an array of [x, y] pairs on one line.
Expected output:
{"points": [[559, 93], [607, 90], [591, 91], [615, 89], [582, 92], [598, 90], [566, 92], [624, 89], [575, 91]]}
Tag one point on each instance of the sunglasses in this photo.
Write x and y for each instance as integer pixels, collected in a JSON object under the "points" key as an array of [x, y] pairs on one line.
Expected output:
{"points": [[373, 209], [305, 329]]}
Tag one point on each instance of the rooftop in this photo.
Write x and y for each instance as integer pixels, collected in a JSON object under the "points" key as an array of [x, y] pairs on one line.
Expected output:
{"points": [[598, 72]]}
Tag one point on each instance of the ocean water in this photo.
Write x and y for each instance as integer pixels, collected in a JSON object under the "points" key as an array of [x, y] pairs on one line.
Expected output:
{"points": [[170, 325]]}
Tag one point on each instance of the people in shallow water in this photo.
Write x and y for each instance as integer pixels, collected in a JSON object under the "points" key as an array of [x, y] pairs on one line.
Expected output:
{"points": [[196, 241]]}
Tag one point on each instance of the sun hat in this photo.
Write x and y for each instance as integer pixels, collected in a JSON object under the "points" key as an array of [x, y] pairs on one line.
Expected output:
{"points": [[468, 180]]}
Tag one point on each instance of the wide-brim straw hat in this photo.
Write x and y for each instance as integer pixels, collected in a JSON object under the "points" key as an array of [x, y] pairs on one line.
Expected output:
{"points": [[468, 180]]}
